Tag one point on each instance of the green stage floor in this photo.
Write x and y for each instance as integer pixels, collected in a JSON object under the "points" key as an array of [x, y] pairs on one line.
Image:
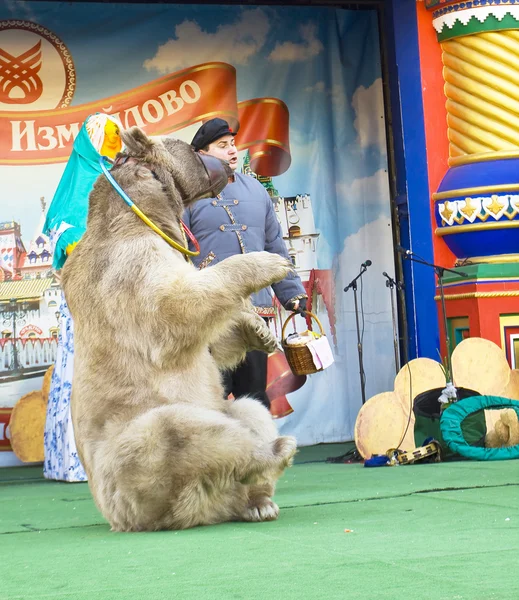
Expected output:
{"points": [[428, 531]]}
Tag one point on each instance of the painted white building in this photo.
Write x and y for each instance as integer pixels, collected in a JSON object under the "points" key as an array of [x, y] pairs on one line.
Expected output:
{"points": [[296, 217], [29, 319]]}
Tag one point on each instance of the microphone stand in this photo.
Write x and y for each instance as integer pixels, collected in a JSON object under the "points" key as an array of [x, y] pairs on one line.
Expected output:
{"points": [[354, 455], [353, 285], [392, 284], [440, 271]]}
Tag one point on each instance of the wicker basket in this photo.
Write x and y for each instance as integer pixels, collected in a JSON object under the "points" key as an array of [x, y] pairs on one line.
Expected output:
{"points": [[299, 356]]}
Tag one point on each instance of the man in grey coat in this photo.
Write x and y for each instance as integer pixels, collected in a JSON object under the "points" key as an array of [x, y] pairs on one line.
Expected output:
{"points": [[241, 219]]}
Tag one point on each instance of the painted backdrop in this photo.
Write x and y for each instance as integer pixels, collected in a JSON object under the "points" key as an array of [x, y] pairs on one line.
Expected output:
{"points": [[303, 84]]}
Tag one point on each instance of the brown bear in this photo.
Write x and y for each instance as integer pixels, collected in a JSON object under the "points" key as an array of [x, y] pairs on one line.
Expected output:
{"points": [[162, 447]]}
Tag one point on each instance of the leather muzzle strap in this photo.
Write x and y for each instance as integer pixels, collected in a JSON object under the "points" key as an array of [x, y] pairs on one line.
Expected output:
{"points": [[214, 169]]}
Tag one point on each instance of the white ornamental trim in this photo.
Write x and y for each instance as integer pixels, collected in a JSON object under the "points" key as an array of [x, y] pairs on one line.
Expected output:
{"points": [[452, 211], [481, 14], [488, 206], [479, 209], [472, 213]]}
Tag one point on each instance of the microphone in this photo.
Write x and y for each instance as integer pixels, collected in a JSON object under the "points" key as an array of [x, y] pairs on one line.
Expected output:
{"points": [[353, 283], [404, 251], [391, 282]]}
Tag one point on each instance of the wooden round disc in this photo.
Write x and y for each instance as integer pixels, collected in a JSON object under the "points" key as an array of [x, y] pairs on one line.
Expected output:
{"points": [[380, 424], [480, 365], [27, 425], [45, 388], [417, 376], [511, 390]]}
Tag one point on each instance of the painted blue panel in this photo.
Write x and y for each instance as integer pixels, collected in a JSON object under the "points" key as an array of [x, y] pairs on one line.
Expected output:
{"points": [[419, 279]]}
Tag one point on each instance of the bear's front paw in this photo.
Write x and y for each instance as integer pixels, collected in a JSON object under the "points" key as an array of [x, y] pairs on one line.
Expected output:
{"points": [[268, 342], [270, 268], [257, 334], [261, 509]]}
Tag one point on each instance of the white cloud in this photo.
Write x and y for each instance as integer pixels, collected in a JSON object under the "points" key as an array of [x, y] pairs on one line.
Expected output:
{"points": [[292, 52], [318, 87], [365, 190], [20, 8], [373, 241], [368, 104], [303, 150], [368, 107], [234, 43], [336, 94], [338, 387]]}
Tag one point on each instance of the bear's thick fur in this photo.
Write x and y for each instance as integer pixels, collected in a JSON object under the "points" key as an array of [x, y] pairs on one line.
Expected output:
{"points": [[161, 446]]}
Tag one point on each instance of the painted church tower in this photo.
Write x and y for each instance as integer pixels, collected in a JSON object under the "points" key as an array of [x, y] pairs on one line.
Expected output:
{"points": [[12, 251], [38, 259]]}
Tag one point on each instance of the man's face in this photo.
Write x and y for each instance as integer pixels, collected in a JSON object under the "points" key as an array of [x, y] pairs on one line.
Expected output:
{"points": [[224, 149]]}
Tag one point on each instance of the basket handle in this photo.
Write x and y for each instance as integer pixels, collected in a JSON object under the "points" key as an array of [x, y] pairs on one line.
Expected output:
{"points": [[290, 317]]}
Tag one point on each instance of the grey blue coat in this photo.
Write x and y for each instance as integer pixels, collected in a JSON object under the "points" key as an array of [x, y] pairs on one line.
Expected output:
{"points": [[242, 219]]}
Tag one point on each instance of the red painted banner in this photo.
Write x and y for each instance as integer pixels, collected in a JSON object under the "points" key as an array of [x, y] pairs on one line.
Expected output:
{"points": [[159, 107], [30, 329], [5, 417]]}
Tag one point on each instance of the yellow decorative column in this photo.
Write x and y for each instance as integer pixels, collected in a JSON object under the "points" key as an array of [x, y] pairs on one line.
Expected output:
{"points": [[481, 72], [477, 204], [476, 207]]}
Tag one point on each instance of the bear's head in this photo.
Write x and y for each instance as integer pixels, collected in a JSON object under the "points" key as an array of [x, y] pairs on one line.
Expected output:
{"points": [[177, 166]]}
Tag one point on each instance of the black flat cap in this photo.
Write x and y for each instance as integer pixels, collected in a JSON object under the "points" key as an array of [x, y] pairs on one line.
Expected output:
{"points": [[211, 131]]}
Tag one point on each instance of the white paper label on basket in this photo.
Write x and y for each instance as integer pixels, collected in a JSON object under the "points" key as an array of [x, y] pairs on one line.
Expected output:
{"points": [[321, 352]]}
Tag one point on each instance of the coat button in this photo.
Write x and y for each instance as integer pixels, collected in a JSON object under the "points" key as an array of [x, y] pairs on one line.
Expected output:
{"points": [[236, 202], [244, 227], [214, 202], [222, 227]]}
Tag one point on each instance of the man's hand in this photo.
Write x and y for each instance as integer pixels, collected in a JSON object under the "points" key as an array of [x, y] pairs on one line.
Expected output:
{"points": [[298, 306]]}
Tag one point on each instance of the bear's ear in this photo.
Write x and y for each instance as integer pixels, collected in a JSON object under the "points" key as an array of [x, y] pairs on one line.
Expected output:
{"points": [[137, 143]]}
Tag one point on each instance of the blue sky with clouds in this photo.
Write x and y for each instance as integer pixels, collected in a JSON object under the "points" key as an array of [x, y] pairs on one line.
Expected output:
{"points": [[314, 59]]}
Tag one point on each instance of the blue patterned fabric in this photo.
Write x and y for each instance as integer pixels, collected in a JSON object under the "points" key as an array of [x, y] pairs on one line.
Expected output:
{"points": [[66, 218], [61, 458], [241, 220]]}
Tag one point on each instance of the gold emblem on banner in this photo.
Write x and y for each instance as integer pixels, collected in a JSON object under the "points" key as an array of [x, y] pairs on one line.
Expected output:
{"points": [[36, 69]]}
